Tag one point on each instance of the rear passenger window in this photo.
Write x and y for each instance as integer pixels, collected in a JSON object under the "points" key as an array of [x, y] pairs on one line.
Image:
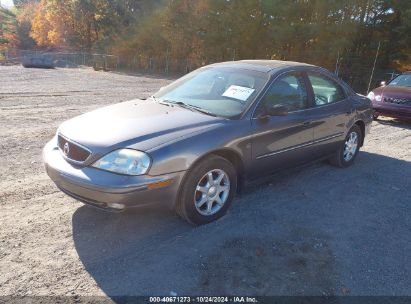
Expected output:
{"points": [[325, 89]]}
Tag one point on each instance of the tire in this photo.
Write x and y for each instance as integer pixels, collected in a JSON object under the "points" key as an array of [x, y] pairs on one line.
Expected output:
{"points": [[343, 159], [212, 199]]}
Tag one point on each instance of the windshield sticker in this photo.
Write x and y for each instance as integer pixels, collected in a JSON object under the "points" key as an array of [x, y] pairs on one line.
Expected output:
{"points": [[237, 92]]}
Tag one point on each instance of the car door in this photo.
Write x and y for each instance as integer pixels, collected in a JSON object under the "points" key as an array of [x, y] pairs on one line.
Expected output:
{"points": [[282, 141], [331, 112]]}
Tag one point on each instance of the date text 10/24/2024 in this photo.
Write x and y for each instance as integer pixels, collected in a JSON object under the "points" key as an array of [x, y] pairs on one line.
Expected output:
{"points": [[202, 299]]}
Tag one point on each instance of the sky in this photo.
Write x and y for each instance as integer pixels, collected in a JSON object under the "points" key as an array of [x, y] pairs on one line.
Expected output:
{"points": [[6, 3]]}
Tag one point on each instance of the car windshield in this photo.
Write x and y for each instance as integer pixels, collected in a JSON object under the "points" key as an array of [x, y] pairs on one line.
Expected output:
{"points": [[401, 81], [219, 91]]}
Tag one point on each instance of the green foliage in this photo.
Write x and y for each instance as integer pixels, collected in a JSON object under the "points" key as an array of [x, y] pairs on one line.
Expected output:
{"points": [[183, 34], [7, 26]]}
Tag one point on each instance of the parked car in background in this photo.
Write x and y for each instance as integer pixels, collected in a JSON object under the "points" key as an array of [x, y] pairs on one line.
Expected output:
{"points": [[393, 99], [194, 143], [38, 61]]}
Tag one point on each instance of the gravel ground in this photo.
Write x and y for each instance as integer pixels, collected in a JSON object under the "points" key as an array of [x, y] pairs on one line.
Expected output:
{"points": [[316, 230]]}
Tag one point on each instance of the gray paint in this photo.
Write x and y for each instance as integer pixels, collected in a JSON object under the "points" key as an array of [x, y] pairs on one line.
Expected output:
{"points": [[175, 138]]}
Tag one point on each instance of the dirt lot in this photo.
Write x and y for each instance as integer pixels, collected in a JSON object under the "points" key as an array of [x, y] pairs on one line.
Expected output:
{"points": [[318, 230]]}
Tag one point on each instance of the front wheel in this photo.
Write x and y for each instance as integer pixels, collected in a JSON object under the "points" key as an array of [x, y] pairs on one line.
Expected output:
{"points": [[207, 190], [348, 151]]}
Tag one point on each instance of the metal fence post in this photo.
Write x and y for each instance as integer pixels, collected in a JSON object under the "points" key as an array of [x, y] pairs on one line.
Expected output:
{"points": [[337, 64], [373, 68], [166, 62]]}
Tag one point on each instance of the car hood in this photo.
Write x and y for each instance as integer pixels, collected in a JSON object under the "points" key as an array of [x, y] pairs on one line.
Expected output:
{"points": [[394, 92], [138, 123]]}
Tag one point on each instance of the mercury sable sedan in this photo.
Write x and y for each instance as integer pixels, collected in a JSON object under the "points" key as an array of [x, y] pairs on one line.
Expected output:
{"points": [[197, 141]]}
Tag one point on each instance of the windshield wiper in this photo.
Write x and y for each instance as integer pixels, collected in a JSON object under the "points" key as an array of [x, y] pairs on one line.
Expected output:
{"points": [[196, 108], [164, 102], [188, 106]]}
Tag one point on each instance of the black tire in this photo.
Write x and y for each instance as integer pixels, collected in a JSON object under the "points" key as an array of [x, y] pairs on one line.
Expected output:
{"points": [[338, 158], [185, 206]]}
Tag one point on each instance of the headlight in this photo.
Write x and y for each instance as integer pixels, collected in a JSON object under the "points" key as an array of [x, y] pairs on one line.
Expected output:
{"points": [[124, 161], [373, 96]]}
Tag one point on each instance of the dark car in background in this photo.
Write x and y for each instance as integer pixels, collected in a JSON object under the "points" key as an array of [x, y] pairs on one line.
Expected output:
{"points": [[393, 99], [196, 141], [41, 61]]}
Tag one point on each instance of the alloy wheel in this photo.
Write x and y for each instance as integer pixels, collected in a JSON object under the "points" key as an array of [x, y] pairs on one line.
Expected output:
{"points": [[212, 192], [350, 147]]}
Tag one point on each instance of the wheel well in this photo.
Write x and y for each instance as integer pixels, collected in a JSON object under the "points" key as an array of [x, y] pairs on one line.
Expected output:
{"points": [[234, 158], [361, 124]]}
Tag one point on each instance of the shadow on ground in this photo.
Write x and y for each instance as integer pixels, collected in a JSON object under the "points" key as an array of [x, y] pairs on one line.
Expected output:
{"points": [[312, 231], [393, 122]]}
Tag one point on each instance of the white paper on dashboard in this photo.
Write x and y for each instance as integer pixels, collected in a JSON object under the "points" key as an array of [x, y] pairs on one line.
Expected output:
{"points": [[238, 92]]}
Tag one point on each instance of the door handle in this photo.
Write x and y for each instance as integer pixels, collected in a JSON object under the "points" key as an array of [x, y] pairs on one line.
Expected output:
{"points": [[306, 123]]}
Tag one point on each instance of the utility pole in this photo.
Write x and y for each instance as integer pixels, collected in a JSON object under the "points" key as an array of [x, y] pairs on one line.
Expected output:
{"points": [[337, 64], [373, 68], [166, 69]]}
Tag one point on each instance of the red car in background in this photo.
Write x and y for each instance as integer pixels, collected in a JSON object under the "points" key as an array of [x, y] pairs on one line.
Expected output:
{"points": [[394, 98]]}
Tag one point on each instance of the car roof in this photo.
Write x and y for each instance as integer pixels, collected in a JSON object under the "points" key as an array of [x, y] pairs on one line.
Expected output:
{"points": [[265, 66]]}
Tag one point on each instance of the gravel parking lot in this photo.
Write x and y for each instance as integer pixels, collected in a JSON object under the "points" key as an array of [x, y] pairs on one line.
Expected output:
{"points": [[316, 230]]}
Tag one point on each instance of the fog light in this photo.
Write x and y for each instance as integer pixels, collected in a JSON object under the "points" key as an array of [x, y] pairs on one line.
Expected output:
{"points": [[116, 206]]}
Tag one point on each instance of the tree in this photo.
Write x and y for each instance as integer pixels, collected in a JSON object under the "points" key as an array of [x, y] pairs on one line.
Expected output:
{"points": [[184, 34], [8, 23], [41, 26], [24, 15]]}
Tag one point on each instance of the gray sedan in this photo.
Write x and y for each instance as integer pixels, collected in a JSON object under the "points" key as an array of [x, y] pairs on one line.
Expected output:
{"points": [[197, 141]]}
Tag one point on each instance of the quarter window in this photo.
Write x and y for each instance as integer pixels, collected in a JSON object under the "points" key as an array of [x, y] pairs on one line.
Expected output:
{"points": [[289, 91], [325, 89]]}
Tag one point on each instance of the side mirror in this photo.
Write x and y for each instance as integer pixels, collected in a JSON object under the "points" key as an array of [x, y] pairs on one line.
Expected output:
{"points": [[383, 83], [276, 110]]}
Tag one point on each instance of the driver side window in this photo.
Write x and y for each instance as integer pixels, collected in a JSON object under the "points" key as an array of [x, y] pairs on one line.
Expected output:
{"points": [[289, 91]]}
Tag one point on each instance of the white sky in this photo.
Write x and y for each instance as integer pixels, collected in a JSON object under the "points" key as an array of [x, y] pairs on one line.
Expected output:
{"points": [[6, 3]]}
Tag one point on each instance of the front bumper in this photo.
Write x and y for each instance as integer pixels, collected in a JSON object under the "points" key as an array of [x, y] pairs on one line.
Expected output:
{"points": [[109, 190], [392, 110]]}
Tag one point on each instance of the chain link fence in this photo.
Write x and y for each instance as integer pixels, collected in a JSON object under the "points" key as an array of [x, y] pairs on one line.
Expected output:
{"points": [[43, 59], [354, 70]]}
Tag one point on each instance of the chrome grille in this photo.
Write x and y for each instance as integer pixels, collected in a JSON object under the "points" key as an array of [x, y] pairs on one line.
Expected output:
{"points": [[400, 101], [71, 150]]}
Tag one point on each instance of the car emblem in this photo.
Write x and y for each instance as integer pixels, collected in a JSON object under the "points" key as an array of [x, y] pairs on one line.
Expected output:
{"points": [[66, 149]]}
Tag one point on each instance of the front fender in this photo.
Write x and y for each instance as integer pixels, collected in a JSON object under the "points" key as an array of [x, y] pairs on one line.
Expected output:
{"points": [[364, 110], [182, 153]]}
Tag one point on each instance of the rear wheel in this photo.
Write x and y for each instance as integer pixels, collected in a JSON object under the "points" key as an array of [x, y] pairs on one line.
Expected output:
{"points": [[207, 190], [348, 151]]}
